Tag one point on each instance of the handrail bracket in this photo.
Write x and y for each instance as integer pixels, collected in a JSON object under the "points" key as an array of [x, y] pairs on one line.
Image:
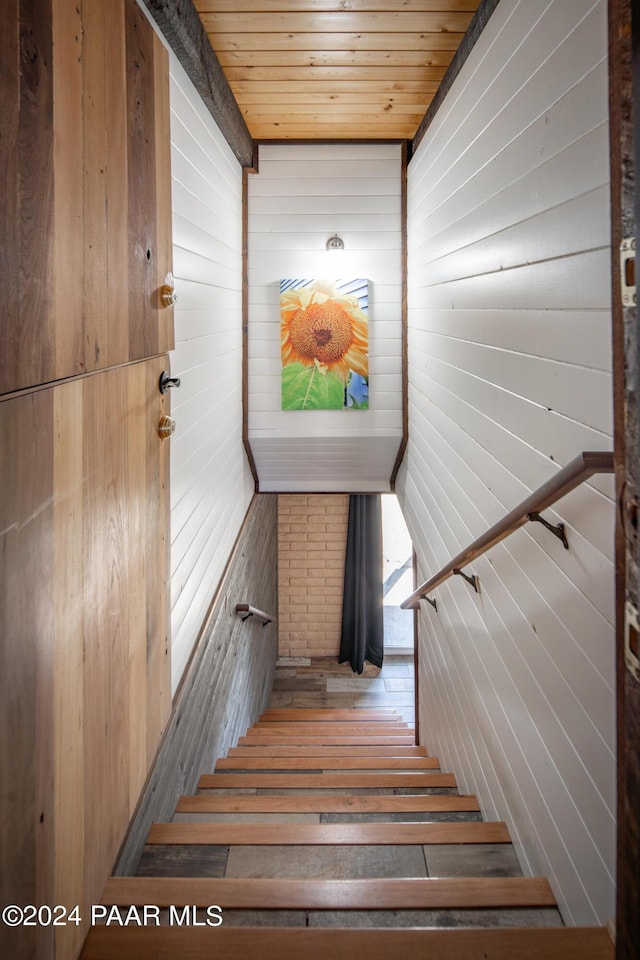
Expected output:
{"points": [[556, 529], [473, 580], [567, 479], [432, 602], [245, 610]]}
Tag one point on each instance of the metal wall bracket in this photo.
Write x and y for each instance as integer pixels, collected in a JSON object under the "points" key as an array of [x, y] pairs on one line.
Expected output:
{"points": [[631, 645], [432, 602], [473, 580], [245, 610], [628, 272], [556, 529]]}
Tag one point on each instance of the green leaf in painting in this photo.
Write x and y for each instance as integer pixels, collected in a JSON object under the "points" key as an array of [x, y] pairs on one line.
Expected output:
{"points": [[309, 388]]}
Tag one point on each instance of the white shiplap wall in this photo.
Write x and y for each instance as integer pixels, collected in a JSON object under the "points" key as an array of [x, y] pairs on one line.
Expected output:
{"points": [[509, 377], [211, 485], [300, 197]]}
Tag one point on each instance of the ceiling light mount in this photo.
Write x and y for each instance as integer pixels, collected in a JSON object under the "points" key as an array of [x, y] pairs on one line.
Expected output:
{"points": [[335, 243]]}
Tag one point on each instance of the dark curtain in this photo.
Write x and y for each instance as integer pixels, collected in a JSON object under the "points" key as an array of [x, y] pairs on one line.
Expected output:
{"points": [[362, 612]]}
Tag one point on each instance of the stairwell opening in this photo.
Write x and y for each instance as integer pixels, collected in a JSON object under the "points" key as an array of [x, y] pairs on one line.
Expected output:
{"points": [[397, 576]]}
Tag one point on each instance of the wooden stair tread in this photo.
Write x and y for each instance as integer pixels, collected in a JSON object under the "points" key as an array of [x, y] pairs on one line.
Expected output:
{"points": [[281, 943], [287, 714], [324, 781], [328, 739], [327, 834], [327, 763], [326, 803], [284, 750], [331, 727], [273, 894]]}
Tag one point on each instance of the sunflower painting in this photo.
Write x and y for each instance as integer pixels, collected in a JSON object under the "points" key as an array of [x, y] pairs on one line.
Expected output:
{"points": [[324, 344]]}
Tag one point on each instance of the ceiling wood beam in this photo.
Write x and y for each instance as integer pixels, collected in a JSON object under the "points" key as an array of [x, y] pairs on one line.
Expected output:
{"points": [[180, 24]]}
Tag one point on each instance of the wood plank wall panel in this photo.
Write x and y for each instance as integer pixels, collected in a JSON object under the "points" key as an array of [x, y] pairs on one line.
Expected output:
{"points": [[27, 192], [69, 661], [141, 181], [211, 484], [148, 169], [163, 252], [83, 640], [155, 666], [228, 682], [68, 277], [26, 623], [79, 296], [509, 377], [9, 164], [300, 197]]}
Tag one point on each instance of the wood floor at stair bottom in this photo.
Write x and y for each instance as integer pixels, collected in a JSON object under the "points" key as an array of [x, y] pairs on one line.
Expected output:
{"points": [[202, 943]]}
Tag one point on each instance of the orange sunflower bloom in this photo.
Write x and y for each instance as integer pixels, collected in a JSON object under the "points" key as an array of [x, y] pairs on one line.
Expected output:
{"points": [[323, 327]]}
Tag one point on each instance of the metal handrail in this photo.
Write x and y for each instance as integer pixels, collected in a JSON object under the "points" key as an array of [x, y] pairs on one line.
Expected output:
{"points": [[580, 469], [245, 610]]}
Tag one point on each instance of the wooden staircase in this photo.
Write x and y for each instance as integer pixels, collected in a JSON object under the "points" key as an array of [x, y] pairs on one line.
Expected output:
{"points": [[329, 833]]}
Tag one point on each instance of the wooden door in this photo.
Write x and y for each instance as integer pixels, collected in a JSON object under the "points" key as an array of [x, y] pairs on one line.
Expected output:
{"points": [[84, 645], [85, 245], [85, 206]]}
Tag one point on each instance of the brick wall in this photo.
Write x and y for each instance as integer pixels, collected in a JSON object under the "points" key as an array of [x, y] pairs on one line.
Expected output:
{"points": [[312, 537]]}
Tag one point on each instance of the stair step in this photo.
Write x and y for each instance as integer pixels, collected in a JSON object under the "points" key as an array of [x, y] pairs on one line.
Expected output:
{"points": [[395, 894], [281, 943], [327, 763], [279, 737], [327, 803], [398, 919], [288, 714], [296, 817], [351, 840], [325, 781], [384, 728], [282, 750], [342, 834]]}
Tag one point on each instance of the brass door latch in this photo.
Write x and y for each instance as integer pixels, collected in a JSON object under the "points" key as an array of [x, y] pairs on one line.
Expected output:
{"points": [[166, 427]]}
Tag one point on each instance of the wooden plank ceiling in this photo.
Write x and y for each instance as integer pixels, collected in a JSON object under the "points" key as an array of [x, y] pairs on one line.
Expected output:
{"points": [[334, 69]]}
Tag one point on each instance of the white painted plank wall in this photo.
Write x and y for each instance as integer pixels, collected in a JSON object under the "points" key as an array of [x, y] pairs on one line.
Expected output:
{"points": [[211, 484], [509, 378], [300, 197]]}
